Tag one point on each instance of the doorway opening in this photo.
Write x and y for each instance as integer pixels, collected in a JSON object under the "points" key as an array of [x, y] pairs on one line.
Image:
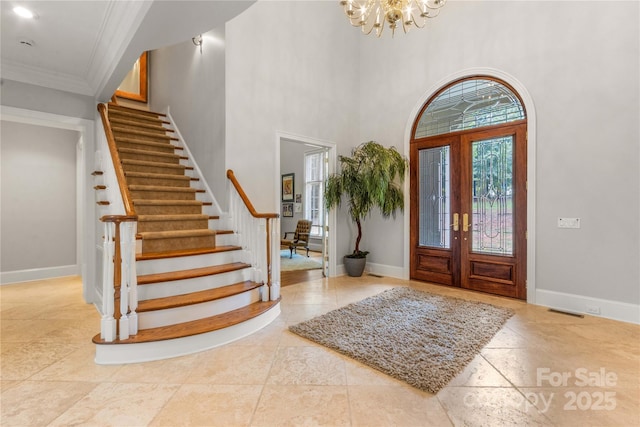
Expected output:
{"points": [[468, 184], [306, 163]]}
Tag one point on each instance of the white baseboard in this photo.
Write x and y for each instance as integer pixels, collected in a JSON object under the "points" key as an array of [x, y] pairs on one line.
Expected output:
{"points": [[377, 269], [8, 277], [579, 304], [385, 270], [609, 309]]}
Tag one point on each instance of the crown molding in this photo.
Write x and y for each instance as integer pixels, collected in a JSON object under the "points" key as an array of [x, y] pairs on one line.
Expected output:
{"points": [[45, 77], [118, 29], [120, 23]]}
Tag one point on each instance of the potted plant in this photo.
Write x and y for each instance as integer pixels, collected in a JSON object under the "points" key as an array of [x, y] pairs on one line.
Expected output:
{"points": [[370, 177]]}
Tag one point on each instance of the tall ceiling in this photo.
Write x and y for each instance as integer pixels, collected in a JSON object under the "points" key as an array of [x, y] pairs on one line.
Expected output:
{"points": [[87, 47], [70, 42]]}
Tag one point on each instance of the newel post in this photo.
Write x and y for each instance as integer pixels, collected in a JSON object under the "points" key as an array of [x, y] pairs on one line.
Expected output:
{"points": [[117, 299]]}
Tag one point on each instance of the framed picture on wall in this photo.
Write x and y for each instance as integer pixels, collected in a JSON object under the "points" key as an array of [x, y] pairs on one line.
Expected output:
{"points": [[288, 187], [287, 209]]}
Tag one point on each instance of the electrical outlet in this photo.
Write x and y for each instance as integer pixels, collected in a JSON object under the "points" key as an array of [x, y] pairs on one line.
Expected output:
{"points": [[564, 222], [592, 309]]}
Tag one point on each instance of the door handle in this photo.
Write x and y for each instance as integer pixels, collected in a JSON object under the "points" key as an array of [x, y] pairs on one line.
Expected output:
{"points": [[465, 222], [456, 222]]}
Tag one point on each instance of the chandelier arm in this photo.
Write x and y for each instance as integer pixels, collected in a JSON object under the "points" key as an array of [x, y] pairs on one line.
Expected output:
{"points": [[415, 22], [361, 13]]}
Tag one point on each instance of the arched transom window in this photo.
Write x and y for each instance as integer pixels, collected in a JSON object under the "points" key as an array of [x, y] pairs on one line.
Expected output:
{"points": [[469, 104]]}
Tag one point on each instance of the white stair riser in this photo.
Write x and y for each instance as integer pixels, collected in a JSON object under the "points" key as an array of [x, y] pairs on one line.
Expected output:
{"points": [[180, 287], [164, 265], [226, 239], [158, 350], [172, 316]]}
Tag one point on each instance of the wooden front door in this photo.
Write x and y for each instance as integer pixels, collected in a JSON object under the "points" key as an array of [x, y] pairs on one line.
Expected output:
{"points": [[468, 209]]}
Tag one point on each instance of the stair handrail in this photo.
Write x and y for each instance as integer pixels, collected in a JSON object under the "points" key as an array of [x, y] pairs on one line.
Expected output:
{"points": [[245, 199], [117, 165], [271, 267]]}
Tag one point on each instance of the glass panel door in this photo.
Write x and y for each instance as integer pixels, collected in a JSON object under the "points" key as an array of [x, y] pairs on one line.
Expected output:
{"points": [[492, 191], [435, 211], [494, 224], [434, 198]]}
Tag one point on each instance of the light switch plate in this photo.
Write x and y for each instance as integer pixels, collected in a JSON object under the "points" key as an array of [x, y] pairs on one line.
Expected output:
{"points": [[564, 222]]}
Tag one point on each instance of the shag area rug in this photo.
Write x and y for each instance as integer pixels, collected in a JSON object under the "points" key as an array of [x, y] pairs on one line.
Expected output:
{"points": [[417, 337], [298, 262]]}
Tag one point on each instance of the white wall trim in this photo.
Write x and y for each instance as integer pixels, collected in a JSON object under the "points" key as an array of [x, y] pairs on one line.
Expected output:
{"points": [[18, 276], [531, 164], [609, 309], [385, 270], [332, 147], [86, 208]]}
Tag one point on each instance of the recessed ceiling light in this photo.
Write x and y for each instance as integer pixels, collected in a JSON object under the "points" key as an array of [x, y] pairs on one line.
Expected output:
{"points": [[23, 12]]}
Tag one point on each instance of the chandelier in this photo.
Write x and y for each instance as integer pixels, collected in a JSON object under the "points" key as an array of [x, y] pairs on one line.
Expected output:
{"points": [[371, 15]]}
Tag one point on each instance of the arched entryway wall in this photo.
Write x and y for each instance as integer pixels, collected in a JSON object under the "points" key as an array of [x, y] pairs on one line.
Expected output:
{"points": [[527, 100]]}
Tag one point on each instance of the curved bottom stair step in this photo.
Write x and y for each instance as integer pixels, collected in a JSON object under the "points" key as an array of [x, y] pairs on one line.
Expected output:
{"points": [[196, 297], [147, 349], [191, 274], [195, 327], [184, 253], [195, 305]]}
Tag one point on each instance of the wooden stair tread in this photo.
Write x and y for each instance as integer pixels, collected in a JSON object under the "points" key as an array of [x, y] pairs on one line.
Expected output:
{"points": [[156, 164], [186, 252], [173, 217], [145, 142], [157, 175], [172, 234], [190, 274], [154, 135], [137, 187], [137, 118], [196, 327], [196, 297], [153, 125], [149, 153], [119, 107], [144, 202]]}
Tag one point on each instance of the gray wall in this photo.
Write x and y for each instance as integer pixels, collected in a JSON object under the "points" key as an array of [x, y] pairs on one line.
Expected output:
{"points": [[192, 84], [38, 98], [579, 63], [38, 197], [299, 77], [292, 161]]}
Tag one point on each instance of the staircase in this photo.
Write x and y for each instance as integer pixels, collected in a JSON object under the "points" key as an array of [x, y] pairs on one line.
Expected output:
{"points": [[193, 289]]}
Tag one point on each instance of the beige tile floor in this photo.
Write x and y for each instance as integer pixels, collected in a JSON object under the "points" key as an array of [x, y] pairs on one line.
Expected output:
{"points": [[274, 378]]}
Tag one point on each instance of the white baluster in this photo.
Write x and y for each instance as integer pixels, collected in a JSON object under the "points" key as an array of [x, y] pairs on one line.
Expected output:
{"points": [[275, 260], [132, 280], [124, 285], [108, 323]]}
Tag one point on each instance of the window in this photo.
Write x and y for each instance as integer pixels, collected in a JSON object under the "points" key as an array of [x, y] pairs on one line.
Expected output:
{"points": [[314, 190], [469, 104]]}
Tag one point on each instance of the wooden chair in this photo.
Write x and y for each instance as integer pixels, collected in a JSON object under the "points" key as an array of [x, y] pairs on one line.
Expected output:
{"points": [[300, 237]]}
